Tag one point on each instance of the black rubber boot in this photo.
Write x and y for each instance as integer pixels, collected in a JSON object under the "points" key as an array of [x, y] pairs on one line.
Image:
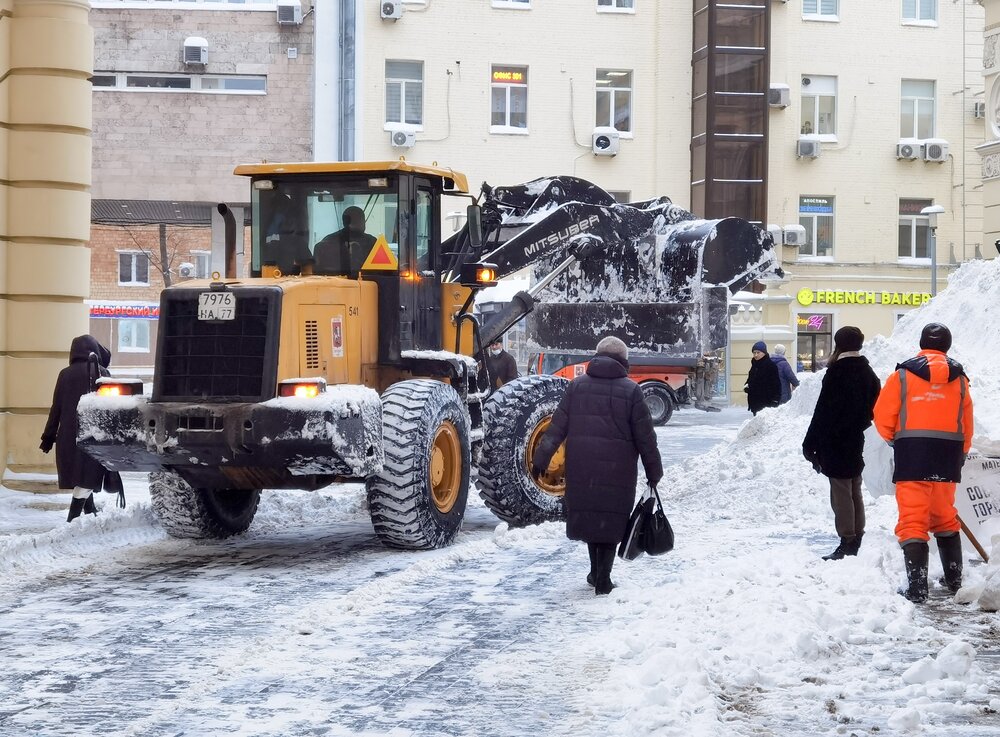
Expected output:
{"points": [[855, 545], [89, 507], [605, 561], [950, 550], [841, 551], [75, 508], [592, 550], [915, 558]]}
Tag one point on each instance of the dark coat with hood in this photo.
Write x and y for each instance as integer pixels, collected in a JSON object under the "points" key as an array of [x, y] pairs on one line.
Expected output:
{"points": [[763, 385], [786, 377], [607, 428], [835, 439], [75, 468]]}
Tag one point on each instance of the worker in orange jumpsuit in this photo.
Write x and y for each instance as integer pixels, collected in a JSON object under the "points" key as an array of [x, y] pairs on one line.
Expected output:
{"points": [[925, 413]]}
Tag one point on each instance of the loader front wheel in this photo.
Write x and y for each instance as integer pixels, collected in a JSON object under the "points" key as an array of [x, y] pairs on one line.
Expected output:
{"points": [[516, 418], [191, 512], [417, 502]]}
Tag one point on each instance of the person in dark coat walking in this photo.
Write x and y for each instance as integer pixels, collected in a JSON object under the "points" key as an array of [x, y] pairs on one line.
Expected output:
{"points": [[77, 471], [607, 428], [835, 440], [787, 378], [763, 386]]}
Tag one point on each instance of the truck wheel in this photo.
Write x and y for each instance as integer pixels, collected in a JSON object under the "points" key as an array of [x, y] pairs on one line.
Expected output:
{"points": [[516, 417], [186, 511], [659, 402], [417, 502]]}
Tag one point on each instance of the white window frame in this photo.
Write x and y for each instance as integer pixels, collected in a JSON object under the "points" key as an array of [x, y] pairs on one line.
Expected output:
{"points": [[612, 90], [616, 6], [202, 258], [402, 82], [915, 103], [916, 19], [512, 4], [812, 231], [813, 98], [507, 128], [129, 326], [818, 14], [134, 282], [240, 5], [913, 221], [121, 83], [622, 196]]}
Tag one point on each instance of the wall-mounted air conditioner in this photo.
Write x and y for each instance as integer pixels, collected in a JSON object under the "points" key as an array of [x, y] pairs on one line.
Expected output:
{"points": [[775, 232], [908, 150], [935, 149], [795, 235], [391, 9], [806, 148], [979, 109], [289, 12], [185, 270], [402, 139], [779, 95], [195, 50], [604, 141]]}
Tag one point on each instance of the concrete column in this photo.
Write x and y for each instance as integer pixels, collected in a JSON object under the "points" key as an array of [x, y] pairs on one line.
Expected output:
{"points": [[46, 60]]}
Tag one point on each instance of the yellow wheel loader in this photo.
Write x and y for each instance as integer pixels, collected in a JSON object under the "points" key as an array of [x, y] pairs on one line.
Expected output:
{"points": [[352, 350]]}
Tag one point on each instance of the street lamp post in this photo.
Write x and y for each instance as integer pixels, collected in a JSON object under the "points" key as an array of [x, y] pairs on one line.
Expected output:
{"points": [[932, 212]]}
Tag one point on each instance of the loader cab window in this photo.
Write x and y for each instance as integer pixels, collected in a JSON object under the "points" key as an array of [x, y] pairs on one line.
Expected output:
{"points": [[331, 226], [425, 210]]}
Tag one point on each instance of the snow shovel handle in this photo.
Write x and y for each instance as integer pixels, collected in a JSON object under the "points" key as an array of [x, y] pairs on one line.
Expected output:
{"points": [[973, 540]]}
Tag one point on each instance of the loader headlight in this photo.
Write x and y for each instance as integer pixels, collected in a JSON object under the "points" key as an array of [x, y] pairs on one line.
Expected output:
{"points": [[303, 388], [478, 275], [108, 387]]}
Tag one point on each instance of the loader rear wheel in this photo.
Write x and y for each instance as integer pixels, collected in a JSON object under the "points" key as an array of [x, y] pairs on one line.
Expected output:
{"points": [[659, 402], [417, 502], [191, 512], [516, 418]]}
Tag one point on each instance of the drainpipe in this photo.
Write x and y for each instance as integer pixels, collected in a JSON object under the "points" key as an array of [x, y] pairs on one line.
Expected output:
{"points": [[347, 37]]}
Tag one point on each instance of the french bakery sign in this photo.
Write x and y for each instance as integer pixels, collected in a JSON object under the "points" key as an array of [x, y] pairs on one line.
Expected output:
{"points": [[808, 297]]}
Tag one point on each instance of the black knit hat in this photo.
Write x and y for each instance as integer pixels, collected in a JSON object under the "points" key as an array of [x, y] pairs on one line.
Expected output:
{"points": [[848, 338], [935, 337]]}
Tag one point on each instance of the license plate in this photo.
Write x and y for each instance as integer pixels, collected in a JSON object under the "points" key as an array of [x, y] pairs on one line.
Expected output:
{"points": [[216, 306]]}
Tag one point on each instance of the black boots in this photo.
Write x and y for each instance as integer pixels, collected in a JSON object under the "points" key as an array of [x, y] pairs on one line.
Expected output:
{"points": [[950, 550], [78, 506], [915, 558], [592, 549], [855, 545], [848, 546], [605, 559]]}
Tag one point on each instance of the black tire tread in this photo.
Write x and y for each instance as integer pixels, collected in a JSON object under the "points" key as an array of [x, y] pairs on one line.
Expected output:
{"points": [[184, 512]]}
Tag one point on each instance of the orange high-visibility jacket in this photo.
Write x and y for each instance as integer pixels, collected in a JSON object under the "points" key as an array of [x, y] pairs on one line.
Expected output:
{"points": [[925, 412]]}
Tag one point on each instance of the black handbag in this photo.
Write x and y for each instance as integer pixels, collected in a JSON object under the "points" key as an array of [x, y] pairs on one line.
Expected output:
{"points": [[657, 534], [632, 545]]}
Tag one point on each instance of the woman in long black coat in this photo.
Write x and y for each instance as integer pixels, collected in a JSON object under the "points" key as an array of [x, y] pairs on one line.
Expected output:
{"points": [[763, 385], [835, 441], [77, 471], [607, 428]]}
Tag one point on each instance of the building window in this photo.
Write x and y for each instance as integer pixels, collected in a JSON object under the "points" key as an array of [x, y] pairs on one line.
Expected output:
{"points": [[916, 109], [404, 92], [813, 340], [914, 229], [819, 106], [203, 4], [820, 9], [133, 336], [614, 99], [517, 4], [155, 82], [202, 264], [616, 4], [816, 216], [920, 10], [509, 92], [622, 196], [133, 269]]}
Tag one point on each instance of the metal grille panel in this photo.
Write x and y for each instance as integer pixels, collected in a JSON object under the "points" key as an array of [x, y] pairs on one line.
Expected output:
{"points": [[312, 344]]}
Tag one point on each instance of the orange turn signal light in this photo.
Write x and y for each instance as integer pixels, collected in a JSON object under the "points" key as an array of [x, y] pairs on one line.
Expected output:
{"points": [[486, 275], [302, 388], [107, 387]]}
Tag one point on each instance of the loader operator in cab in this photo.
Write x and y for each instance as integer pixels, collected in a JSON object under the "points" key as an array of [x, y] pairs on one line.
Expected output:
{"points": [[286, 244], [344, 251]]}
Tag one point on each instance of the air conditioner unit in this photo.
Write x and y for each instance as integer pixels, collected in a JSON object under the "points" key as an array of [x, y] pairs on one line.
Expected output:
{"points": [[795, 235], [289, 12], [908, 150], [806, 148], [979, 109], [779, 95], [195, 50], [185, 270], [935, 150], [391, 9], [402, 139], [775, 232], [604, 142]]}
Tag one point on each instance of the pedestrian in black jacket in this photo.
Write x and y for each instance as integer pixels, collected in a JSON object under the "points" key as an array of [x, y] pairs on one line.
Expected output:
{"points": [[500, 364], [763, 385], [77, 471], [607, 428], [835, 441]]}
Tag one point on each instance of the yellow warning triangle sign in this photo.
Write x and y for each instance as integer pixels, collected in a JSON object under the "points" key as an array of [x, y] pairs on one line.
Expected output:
{"points": [[381, 257]]}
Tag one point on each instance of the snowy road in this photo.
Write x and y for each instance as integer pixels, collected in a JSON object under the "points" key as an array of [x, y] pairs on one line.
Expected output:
{"points": [[307, 626]]}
